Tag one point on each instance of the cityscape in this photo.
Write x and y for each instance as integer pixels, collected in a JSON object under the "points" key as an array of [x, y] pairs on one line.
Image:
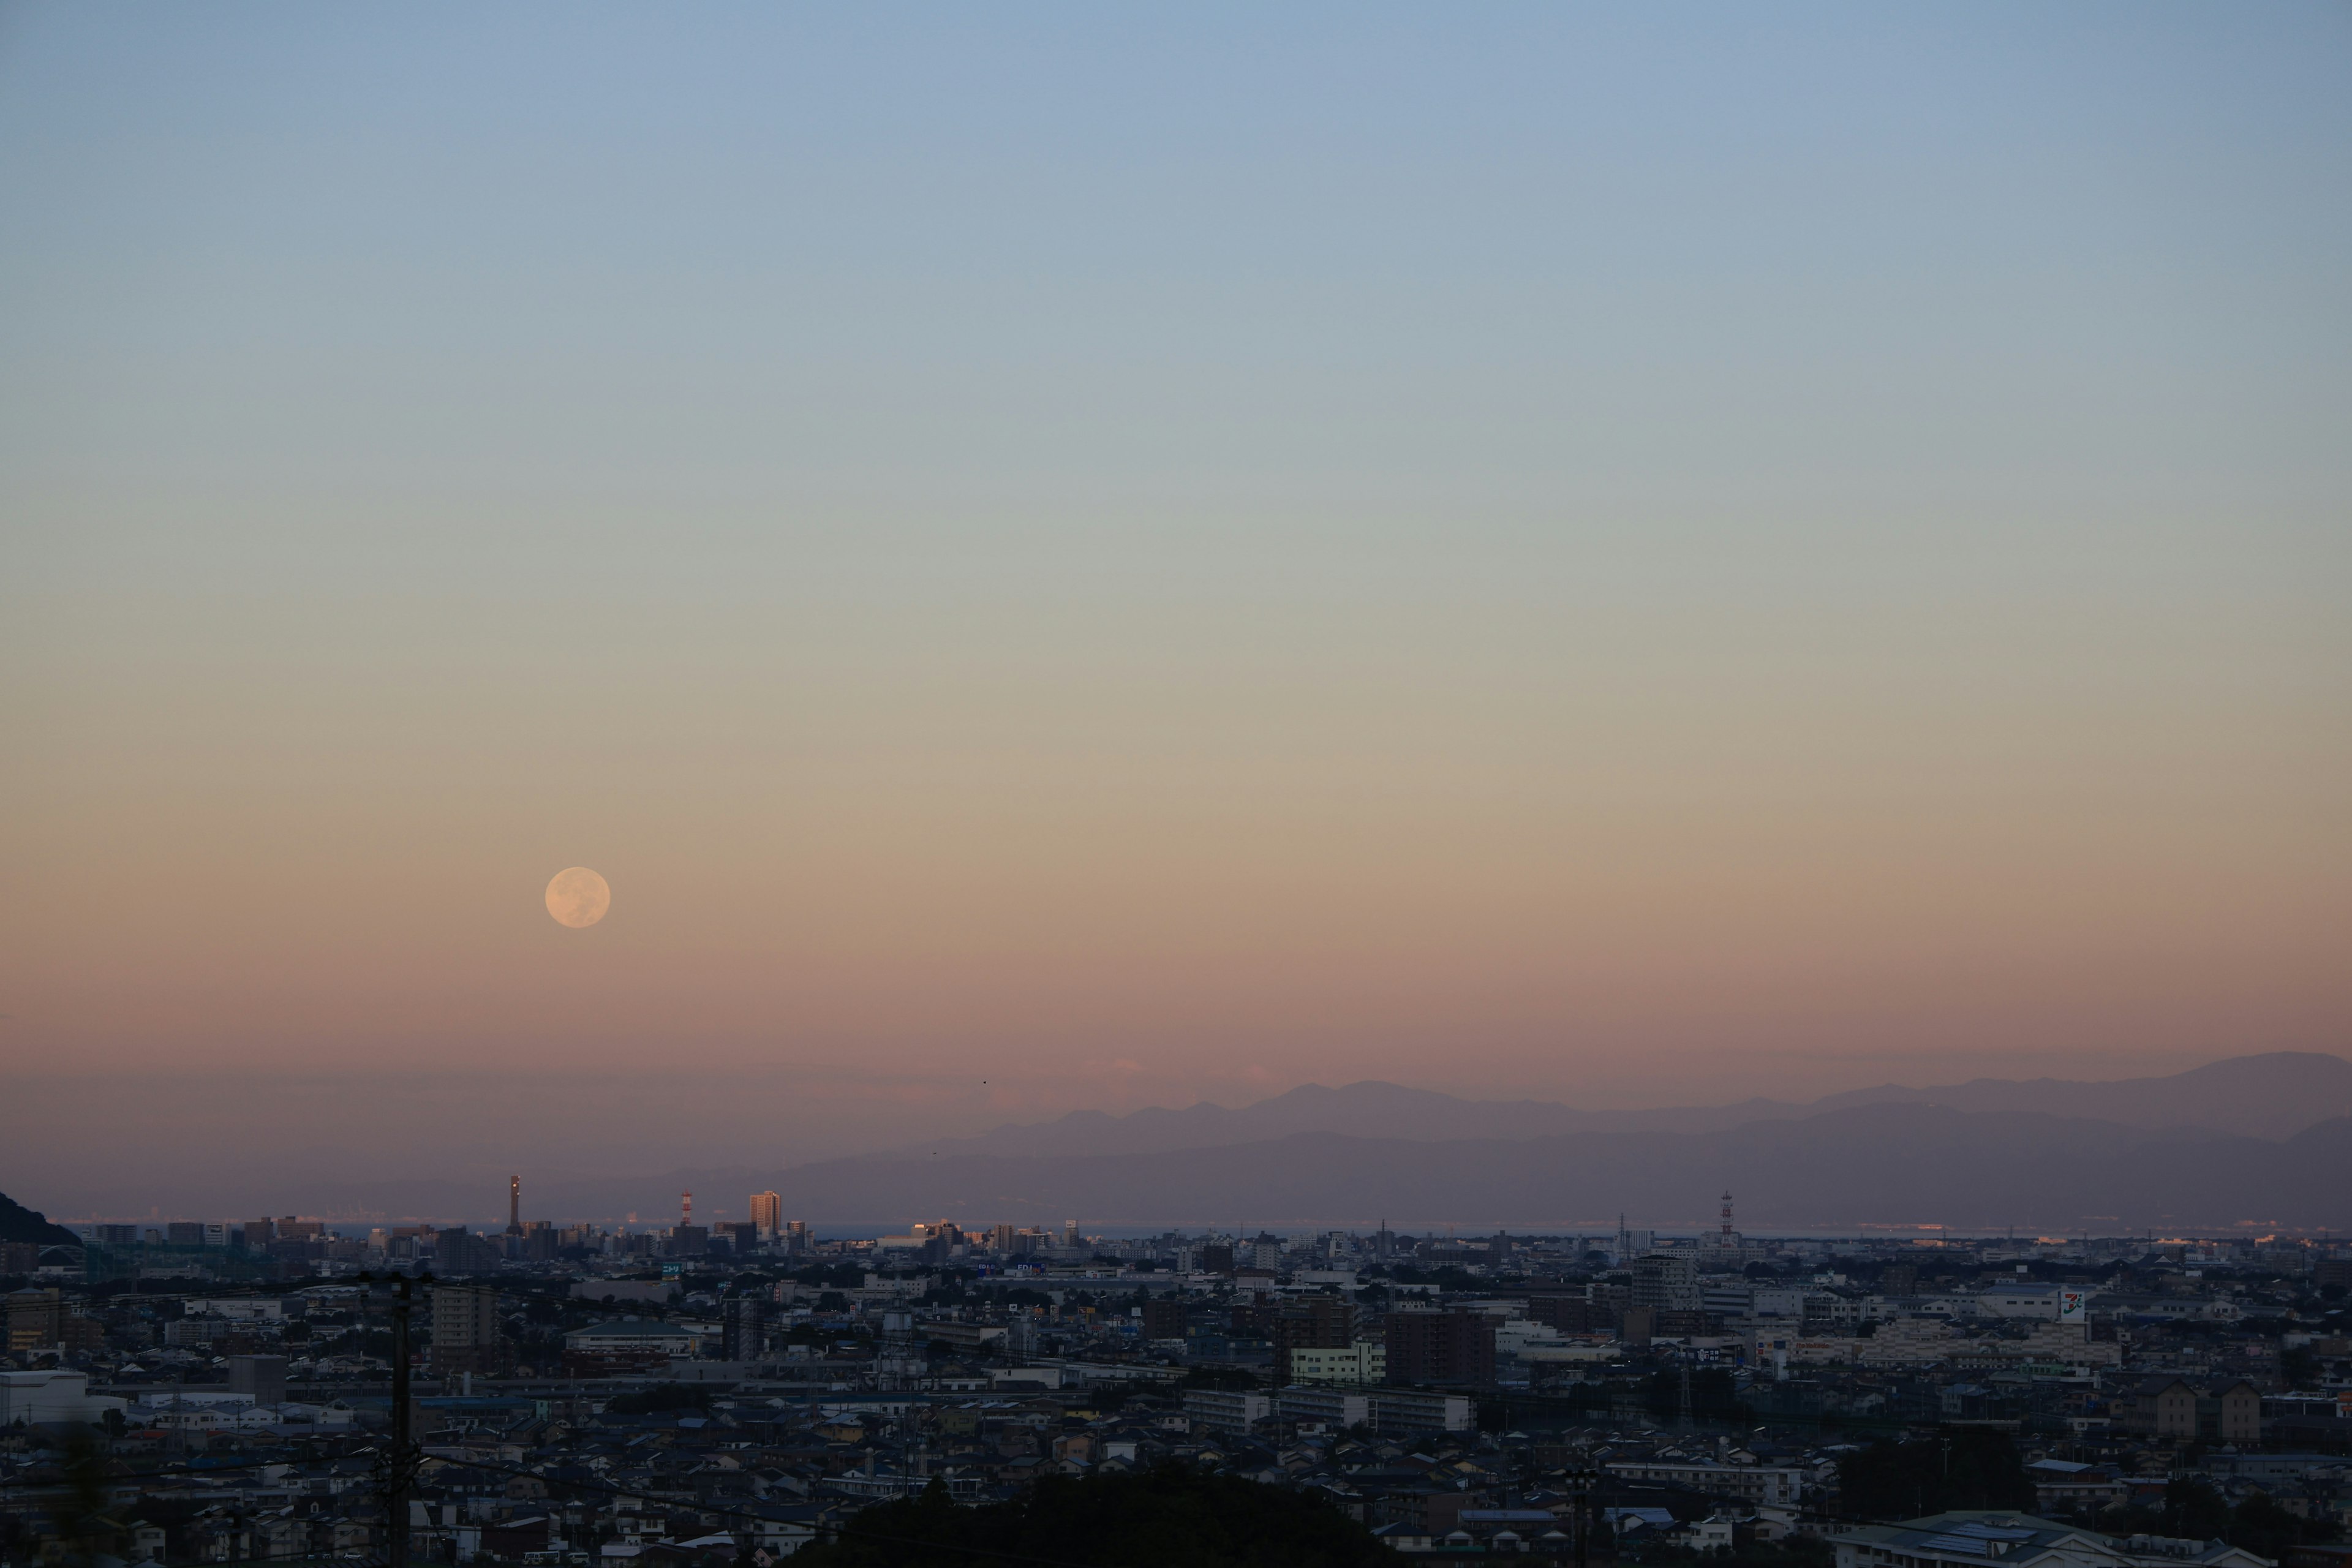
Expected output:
{"points": [[705, 1392]]}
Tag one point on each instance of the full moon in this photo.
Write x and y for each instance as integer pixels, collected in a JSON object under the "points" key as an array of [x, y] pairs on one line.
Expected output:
{"points": [[578, 898]]}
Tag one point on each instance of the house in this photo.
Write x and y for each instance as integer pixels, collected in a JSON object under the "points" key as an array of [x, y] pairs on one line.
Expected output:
{"points": [[1713, 1533], [2176, 1407], [2063, 1486], [1750, 1483]]}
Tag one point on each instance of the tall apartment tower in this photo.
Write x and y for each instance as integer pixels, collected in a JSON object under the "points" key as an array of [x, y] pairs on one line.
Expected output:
{"points": [[1440, 1347], [514, 1205], [467, 1333], [1319, 1322], [1666, 1282], [262, 1377], [742, 1327], [767, 1215]]}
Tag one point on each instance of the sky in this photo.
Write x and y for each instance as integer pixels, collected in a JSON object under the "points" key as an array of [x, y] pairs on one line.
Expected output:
{"points": [[1065, 556]]}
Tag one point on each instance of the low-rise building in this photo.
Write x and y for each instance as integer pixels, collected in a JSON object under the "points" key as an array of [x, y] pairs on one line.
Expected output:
{"points": [[1972, 1538], [1752, 1483]]}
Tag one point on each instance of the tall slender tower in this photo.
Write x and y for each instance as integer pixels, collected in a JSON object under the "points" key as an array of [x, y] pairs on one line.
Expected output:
{"points": [[1725, 1239], [514, 1205], [685, 1209]]}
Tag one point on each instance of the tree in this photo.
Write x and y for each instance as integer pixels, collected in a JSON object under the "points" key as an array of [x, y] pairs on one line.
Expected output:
{"points": [[662, 1396], [1714, 1397], [2194, 1510], [1236, 1379], [1972, 1467], [2265, 1529], [1168, 1517]]}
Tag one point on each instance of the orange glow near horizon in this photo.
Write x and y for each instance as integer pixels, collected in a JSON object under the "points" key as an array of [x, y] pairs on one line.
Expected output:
{"points": [[1087, 566]]}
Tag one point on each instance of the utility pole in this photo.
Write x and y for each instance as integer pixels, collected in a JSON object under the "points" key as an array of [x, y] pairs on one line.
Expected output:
{"points": [[1582, 1479], [400, 1468]]}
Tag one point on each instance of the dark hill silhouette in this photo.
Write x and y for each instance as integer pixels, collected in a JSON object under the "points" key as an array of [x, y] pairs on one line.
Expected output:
{"points": [[20, 1224]]}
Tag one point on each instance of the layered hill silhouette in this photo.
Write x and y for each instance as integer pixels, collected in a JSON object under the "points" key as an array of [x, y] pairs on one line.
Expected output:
{"points": [[2274, 1095], [2257, 1141]]}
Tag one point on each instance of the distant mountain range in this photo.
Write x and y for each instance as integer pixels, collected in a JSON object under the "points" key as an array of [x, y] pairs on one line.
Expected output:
{"points": [[2271, 1096], [2261, 1139], [2256, 1140]]}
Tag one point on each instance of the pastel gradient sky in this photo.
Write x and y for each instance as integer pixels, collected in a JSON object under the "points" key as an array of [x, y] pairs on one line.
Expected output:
{"points": [[1620, 554]]}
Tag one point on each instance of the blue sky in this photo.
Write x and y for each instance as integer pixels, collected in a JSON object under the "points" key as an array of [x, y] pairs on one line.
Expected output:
{"points": [[1176, 551]]}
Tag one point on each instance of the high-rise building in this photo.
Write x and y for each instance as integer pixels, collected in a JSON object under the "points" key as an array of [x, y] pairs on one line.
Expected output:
{"points": [[1003, 1241], [514, 1205], [767, 1215], [742, 1328], [1319, 1322], [1163, 1319], [35, 1318], [1070, 1233], [1666, 1282], [459, 1251], [467, 1333], [1440, 1347], [262, 1377]]}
